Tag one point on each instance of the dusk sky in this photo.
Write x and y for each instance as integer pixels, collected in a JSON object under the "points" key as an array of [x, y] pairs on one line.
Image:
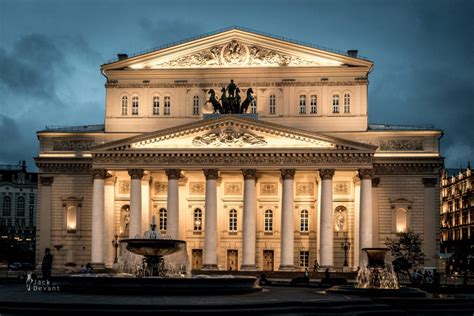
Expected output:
{"points": [[51, 52]]}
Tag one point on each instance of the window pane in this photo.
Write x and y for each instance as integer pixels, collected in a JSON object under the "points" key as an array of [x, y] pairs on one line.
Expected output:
{"points": [[335, 103], [124, 105], [272, 105], [302, 104], [167, 109], [314, 104], [156, 105], [347, 103], [197, 219], [196, 105], [163, 219], [135, 105]]}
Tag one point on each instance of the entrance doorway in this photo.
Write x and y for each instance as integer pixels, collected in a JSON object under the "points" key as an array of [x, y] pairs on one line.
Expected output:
{"points": [[197, 259], [268, 260], [232, 260]]}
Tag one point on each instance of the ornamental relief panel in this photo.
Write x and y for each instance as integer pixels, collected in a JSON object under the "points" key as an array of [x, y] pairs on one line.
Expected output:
{"points": [[233, 188], [124, 186], [197, 188], [73, 145], [228, 138], [401, 145], [342, 187], [268, 188], [304, 188], [161, 188]]}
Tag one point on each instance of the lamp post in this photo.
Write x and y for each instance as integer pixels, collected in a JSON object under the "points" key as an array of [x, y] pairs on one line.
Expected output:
{"points": [[115, 244], [346, 245]]}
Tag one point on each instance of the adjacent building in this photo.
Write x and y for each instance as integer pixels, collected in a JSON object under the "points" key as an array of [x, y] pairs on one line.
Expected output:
{"points": [[292, 180]]}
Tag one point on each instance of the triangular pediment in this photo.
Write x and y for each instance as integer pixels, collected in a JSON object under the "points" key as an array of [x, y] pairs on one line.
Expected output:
{"points": [[233, 132], [237, 47]]}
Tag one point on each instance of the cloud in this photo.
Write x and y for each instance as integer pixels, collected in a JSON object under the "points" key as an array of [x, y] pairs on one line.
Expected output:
{"points": [[165, 30]]}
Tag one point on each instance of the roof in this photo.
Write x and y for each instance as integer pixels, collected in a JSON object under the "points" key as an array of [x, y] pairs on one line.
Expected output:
{"points": [[395, 127], [190, 39], [75, 129]]}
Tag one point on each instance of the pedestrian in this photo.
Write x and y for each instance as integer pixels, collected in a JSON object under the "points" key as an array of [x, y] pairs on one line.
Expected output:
{"points": [[47, 264], [315, 266], [89, 268], [306, 276], [436, 282], [326, 273]]}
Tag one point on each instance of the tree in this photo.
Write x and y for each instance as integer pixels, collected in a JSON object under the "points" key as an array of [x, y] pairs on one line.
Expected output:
{"points": [[406, 252]]}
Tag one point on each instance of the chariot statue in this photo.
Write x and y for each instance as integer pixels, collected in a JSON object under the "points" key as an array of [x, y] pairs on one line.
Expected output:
{"points": [[230, 100]]}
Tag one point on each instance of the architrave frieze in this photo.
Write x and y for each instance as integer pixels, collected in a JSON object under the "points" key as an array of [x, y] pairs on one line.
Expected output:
{"points": [[406, 168], [64, 165]]}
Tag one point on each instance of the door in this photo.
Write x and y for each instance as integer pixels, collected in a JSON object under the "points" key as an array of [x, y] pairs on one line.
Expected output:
{"points": [[197, 259], [268, 260], [232, 260]]}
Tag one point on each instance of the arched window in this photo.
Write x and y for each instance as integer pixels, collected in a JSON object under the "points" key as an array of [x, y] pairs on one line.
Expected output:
{"points": [[314, 104], [167, 107], [401, 220], [272, 105], [253, 107], [7, 206], [302, 104], [347, 103], [304, 221], [20, 206], [71, 219], [196, 105], [197, 220], [163, 219], [268, 221], [124, 105], [233, 220], [335, 103], [156, 105], [135, 105]]}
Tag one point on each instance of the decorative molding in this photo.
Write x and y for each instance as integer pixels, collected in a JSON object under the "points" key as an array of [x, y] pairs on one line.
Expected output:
{"points": [[136, 174], [326, 174], [268, 188], [228, 137], [124, 187], [365, 174], [304, 188], [232, 188], [99, 173], [375, 182], [341, 187], [64, 165], [406, 168], [249, 174], [429, 182], [287, 174], [197, 188], [401, 202], [110, 180], [46, 181], [401, 145], [173, 174], [211, 174], [161, 188], [73, 145]]}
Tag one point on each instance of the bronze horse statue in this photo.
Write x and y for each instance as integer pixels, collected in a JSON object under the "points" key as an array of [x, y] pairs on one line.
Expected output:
{"points": [[213, 100], [249, 99], [225, 102]]}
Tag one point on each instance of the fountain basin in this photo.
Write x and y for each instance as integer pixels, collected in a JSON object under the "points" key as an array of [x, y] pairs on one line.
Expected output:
{"points": [[376, 292], [376, 256], [153, 247]]}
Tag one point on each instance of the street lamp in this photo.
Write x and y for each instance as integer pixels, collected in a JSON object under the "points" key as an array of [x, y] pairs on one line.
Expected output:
{"points": [[115, 244], [346, 245]]}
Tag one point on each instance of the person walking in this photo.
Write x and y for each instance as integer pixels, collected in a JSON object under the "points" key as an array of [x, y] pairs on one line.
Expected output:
{"points": [[47, 264], [315, 266]]}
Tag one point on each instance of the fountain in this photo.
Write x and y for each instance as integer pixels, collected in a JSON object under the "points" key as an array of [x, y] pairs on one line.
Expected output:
{"points": [[376, 278], [145, 258]]}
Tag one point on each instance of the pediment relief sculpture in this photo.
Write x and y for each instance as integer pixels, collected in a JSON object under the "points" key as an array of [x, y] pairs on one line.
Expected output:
{"points": [[228, 138]]}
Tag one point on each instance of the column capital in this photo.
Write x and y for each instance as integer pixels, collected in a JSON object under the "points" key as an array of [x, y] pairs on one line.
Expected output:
{"points": [[249, 174], [110, 180], [136, 173], [287, 174], [173, 174], [375, 182], [211, 174], [46, 181], [326, 174], [99, 173], [365, 174], [429, 182]]}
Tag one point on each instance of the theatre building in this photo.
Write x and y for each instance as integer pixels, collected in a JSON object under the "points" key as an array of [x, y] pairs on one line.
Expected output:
{"points": [[290, 180]]}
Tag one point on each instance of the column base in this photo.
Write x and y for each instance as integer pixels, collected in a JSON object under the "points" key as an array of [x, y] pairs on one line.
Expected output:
{"points": [[209, 267], [248, 267], [98, 266], [287, 268]]}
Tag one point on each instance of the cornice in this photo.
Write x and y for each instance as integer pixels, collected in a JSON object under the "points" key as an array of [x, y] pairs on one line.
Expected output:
{"points": [[64, 165]]}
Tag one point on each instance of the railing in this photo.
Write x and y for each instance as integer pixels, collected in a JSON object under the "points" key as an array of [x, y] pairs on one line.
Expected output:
{"points": [[282, 38], [400, 127], [79, 128]]}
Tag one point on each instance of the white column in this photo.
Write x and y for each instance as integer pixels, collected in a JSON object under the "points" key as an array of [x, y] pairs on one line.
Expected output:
{"points": [[326, 231], [135, 202], [44, 218], [173, 203], [210, 221], [97, 247], [365, 228], [287, 221], [431, 220], [356, 246], [109, 222], [249, 224], [146, 203], [375, 212]]}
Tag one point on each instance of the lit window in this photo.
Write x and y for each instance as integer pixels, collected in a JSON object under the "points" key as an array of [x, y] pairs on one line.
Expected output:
{"points": [[167, 105], [71, 219], [7, 206], [302, 104], [135, 105], [272, 105], [197, 220], [196, 105], [314, 104], [156, 105], [124, 105], [268, 221], [304, 259], [401, 220], [304, 227], [20, 206], [163, 219], [335, 103], [347, 103], [233, 220]]}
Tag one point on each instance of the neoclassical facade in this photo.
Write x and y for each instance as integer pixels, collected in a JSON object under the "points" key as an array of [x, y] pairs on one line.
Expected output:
{"points": [[292, 180]]}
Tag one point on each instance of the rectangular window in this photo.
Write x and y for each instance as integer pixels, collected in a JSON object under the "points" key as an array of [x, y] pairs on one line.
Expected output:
{"points": [[233, 221], [335, 103], [304, 259], [314, 104], [124, 105], [156, 105], [272, 105], [167, 109], [196, 105], [302, 104], [347, 103], [268, 221], [135, 106]]}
